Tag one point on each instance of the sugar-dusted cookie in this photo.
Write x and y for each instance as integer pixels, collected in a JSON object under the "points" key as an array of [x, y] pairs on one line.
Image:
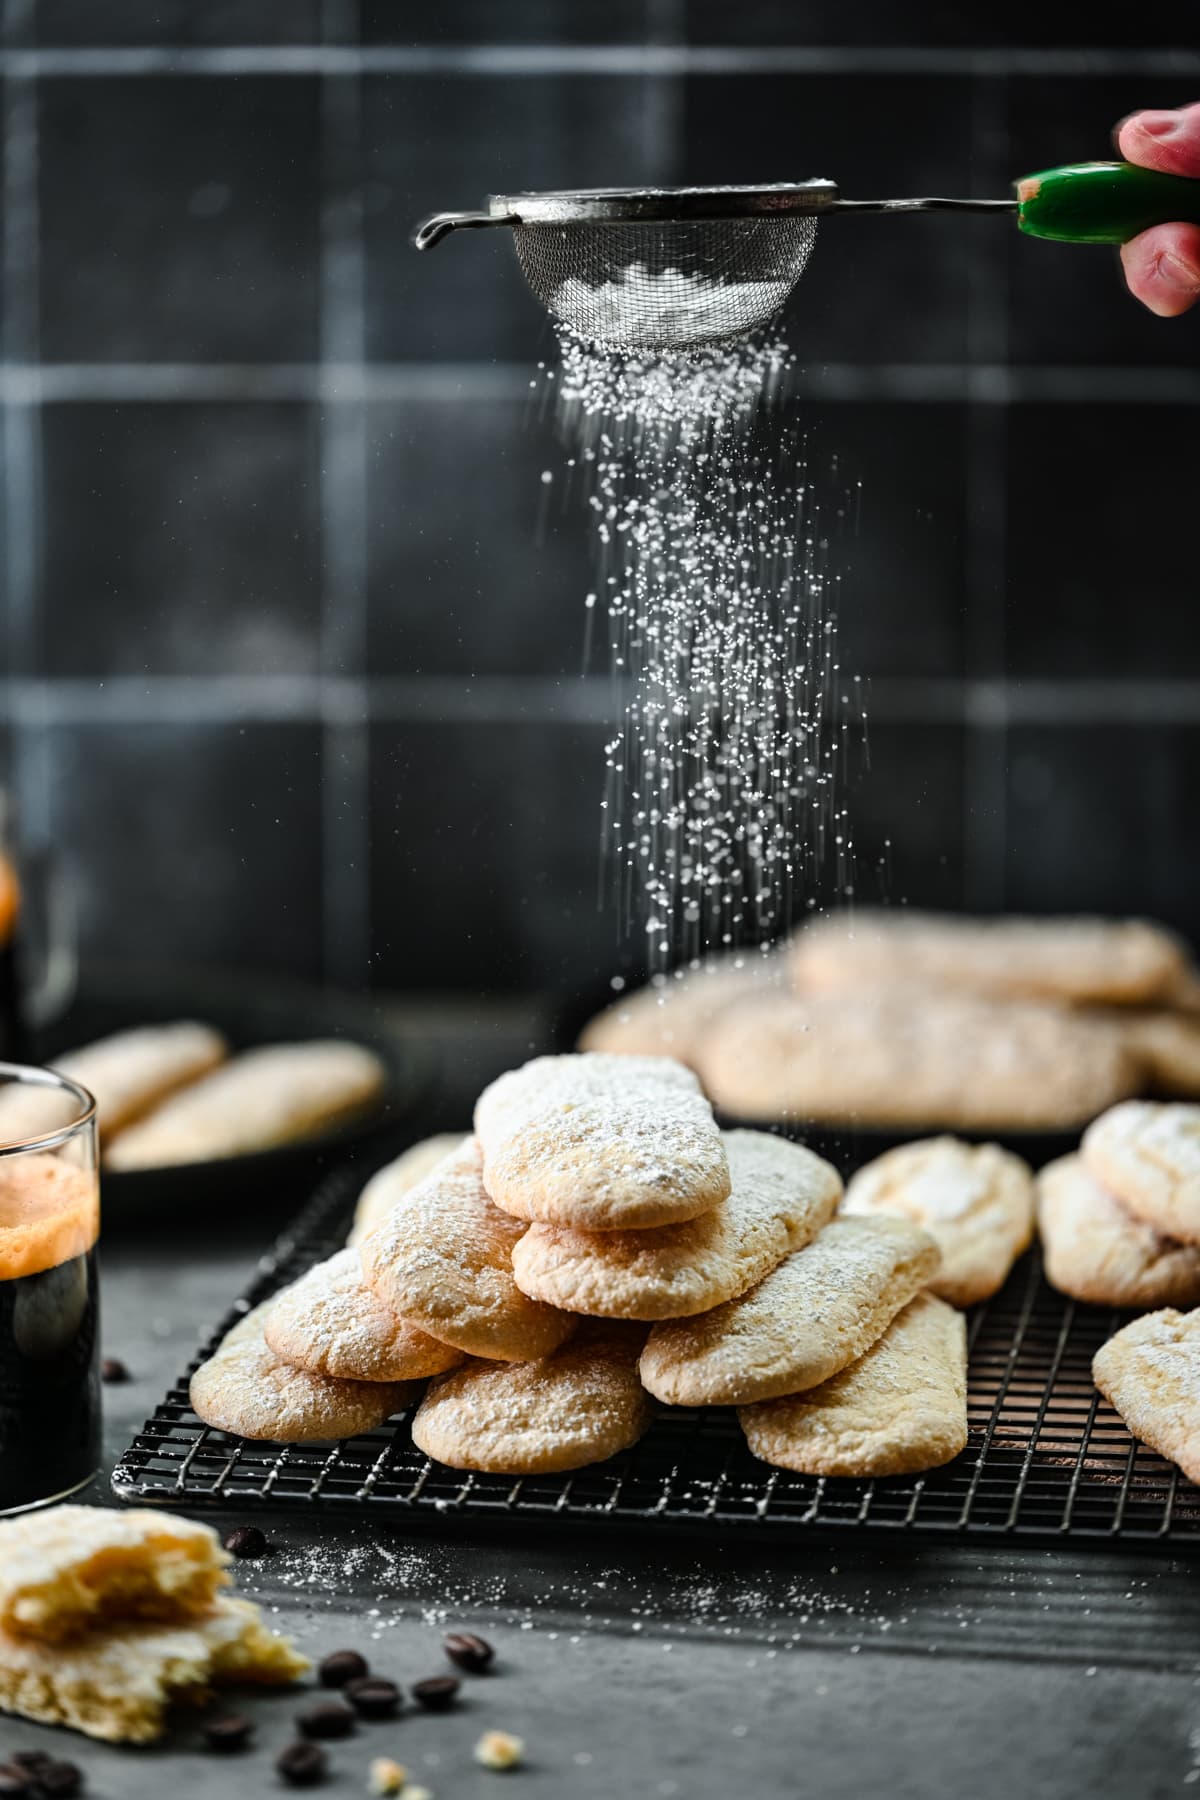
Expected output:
{"points": [[132, 1072], [1094, 1249], [671, 1015], [117, 1684], [914, 1061], [601, 1143], [279, 1094], [817, 1312], [1150, 1372], [245, 1388], [782, 1196], [442, 1259], [331, 1323], [1168, 1044], [1125, 961], [975, 1201], [578, 1406], [1148, 1156], [902, 1407], [389, 1184], [70, 1568]]}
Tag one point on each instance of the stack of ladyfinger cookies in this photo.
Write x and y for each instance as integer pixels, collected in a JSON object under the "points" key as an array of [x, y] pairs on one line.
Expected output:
{"points": [[597, 1245]]}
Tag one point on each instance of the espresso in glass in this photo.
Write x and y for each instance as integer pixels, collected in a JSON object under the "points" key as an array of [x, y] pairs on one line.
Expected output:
{"points": [[49, 1301]]}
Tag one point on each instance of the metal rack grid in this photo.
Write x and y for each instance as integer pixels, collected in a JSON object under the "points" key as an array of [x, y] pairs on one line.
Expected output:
{"points": [[1047, 1459]]}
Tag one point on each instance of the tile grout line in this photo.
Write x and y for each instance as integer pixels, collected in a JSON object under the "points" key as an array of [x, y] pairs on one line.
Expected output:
{"points": [[987, 705], [484, 60], [985, 728], [30, 749], [344, 771], [336, 383]]}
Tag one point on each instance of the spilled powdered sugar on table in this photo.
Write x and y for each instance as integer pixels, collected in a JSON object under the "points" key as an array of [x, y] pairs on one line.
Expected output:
{"points": [[723, 799]]}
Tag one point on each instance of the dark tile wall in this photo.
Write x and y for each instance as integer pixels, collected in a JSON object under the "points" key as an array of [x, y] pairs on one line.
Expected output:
{"points": [[299, 673]]}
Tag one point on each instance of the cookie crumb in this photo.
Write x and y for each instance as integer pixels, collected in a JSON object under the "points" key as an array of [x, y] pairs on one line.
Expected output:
{"points": [[387, 1777], [499, 1750]]}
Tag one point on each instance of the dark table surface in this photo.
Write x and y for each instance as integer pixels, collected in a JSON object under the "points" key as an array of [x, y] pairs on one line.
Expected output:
{"points": [[650, 1666]]}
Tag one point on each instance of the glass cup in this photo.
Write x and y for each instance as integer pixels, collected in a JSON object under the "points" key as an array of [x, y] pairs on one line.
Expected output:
{"points": [[49, 1298]]}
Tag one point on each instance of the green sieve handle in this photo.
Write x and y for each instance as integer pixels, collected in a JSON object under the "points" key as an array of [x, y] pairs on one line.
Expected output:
{"points": [[1103, 202]]}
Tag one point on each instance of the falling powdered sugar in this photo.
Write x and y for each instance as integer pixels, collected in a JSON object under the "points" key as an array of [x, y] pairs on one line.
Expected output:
{"points": [[720, 804]]}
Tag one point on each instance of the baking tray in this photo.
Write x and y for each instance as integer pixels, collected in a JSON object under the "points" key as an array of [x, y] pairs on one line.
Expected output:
{"points": [[1048, 1460]]}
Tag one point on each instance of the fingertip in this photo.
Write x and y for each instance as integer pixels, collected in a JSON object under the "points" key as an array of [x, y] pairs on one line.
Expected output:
{"points": [[1164, 139], [1162, 268]]}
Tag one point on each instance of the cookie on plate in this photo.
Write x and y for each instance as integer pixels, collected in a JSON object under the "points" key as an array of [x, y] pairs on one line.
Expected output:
{"points": [[1150, 1372], [248, 1390], [901, 1408], [672, 1014], [391, 1183], [975, 1201], [601, 1143], [117, 1685], [69, 1569], [1148, 1156], [782, 1196], [820, 1310], [331, 1323], [442, 1259], [132, 1072], [1168, 1044], [1076, 960], [579, 1406], [1094, 1249], [913, 1061], [279, 1094]]}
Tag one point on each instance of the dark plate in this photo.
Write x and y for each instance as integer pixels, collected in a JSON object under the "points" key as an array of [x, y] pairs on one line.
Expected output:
{"points": [[249, 1010]]}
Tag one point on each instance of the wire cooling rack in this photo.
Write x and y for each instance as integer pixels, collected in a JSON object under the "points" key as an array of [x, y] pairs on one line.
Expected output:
{"points": [[1047, 1459]]}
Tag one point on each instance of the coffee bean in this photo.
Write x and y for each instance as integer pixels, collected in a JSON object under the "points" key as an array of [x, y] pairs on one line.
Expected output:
{"points": [[474, 1654], [30, 1761], [373, 1698], [232, 1732], [245, 1540], [341, 1666], [59, 1780], [437, 1693], [301, 1764], [113, 1369], [15, 1783], [327, 1719]]}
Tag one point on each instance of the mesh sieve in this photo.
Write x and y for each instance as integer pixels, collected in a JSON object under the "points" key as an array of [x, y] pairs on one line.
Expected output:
{"points": [[665, 285]]}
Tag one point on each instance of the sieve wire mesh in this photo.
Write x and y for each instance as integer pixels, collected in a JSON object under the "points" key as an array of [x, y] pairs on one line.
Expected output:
{"points": [[670, 285]]}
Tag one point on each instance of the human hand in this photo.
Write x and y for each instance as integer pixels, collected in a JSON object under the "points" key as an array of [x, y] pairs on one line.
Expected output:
{"points": [[1162, 266]]}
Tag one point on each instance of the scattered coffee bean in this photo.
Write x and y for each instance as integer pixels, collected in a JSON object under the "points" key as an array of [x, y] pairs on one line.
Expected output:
{"points": [[327, 1719], [232, 1732], [373, 1698], [30, 1760], [245, 1540], [341, 1666], [474, 1654], [437, 1693], [301, 1764], [15, 1783], [113, 1369], [59, 1780]]}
